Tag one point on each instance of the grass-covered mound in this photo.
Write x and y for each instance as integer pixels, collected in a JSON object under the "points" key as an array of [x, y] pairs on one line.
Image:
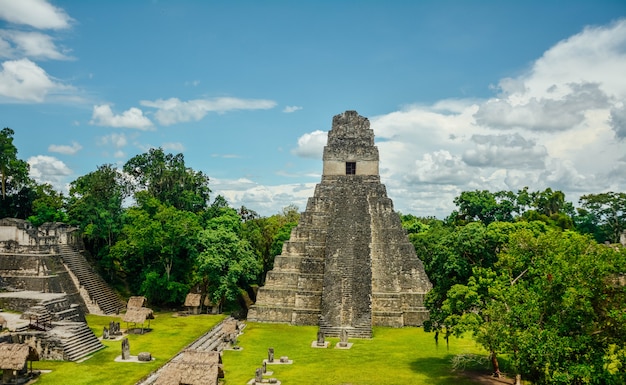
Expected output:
{"points": [[169, 335], [393, 357]]}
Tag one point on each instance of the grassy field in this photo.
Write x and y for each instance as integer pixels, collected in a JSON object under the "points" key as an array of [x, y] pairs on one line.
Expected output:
{"points": [[168, 336], [407, 356]]}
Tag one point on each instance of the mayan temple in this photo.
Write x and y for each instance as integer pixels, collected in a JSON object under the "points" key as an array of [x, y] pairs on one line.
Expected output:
{"points": [[349, 263]]}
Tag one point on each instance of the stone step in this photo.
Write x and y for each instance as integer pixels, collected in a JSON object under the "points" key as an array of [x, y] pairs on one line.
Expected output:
{"points": [[77, 340]]}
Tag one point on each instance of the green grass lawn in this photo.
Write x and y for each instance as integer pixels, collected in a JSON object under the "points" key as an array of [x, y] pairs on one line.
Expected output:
{"points": [[168, 336], [406, 356]]}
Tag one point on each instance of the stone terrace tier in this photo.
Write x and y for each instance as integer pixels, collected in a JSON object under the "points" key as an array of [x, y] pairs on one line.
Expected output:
{"points": [[348, 264]]}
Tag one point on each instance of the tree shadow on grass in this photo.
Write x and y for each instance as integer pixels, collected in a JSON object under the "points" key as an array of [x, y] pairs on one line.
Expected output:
{"points": [[438, 371]]}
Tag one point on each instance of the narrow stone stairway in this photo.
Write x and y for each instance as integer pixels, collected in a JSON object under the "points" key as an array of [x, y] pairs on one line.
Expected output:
{"points": [[99, 291]]}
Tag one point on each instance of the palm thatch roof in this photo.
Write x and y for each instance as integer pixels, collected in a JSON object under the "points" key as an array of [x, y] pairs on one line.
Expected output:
{"points": [[138, 315], [193, 368], [200, 357], [135, 302], [14, 356], [176, 373], [193, 300]]}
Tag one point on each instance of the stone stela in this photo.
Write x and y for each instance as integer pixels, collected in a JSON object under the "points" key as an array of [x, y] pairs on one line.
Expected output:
{"points": [[125, 349], [348, 264]]}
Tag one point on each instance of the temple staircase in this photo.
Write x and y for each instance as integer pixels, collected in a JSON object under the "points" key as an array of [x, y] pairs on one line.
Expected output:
{"points": [[77, 339], [99, 291]]}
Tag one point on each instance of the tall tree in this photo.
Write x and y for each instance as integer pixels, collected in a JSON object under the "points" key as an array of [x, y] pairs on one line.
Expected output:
{"points": [[95, 205], [226, 263], [554, 303], [11, 168], [604, 215], [167, 178], [157, 250], [48, 206]]}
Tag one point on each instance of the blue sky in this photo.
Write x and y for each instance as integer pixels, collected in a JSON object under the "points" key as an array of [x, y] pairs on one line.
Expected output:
{"points": [[462, 95]]}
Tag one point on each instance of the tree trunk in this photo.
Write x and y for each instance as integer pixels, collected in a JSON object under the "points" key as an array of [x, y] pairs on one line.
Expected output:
{"points": [[494, 363], [518, 379]]}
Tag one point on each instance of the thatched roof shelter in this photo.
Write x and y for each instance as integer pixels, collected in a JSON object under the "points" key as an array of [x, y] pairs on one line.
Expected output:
{"points": [[135, 302], [193, 368], [193, 300], [14, 356], [3, 322], [138, 315]]}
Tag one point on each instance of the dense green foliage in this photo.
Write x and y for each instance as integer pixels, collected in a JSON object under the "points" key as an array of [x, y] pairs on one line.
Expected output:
{"points": [[513, 270]]}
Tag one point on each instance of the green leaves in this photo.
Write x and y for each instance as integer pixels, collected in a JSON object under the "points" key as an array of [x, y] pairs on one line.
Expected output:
{"points": [[226, 262]]}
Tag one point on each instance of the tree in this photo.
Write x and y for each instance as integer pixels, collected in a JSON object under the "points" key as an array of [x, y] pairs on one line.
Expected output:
{"points": [[157, 249], [95, 205], [485, 206], [226, 262], [49, 206], [554, 302], [167, 178], [603, 215], [267, 235], [12, 169]]}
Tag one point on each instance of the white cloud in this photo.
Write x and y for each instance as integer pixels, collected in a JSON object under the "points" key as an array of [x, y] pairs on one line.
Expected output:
{"points": [[290, 109], [35, 13], [173, 146], [505, 150], [24, 80], [131, 118], [48, 169], [546, 113], [440, 167], [558, 125], [174, 110], [266, 200], [311, 145], [65, 149], [34, 45], [117, 140]]}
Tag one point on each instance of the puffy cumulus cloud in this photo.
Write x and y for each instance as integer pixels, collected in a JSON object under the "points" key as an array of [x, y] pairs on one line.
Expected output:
{"points": [[506, 150], [33, 45], [311, 145], [23, 80], [65, 149], [35, 13], [560, 124], [440, 167], [131, 118], [544, 114], [266, 200], [173, 110], [290, 109], [577, 75], [48, 169]]}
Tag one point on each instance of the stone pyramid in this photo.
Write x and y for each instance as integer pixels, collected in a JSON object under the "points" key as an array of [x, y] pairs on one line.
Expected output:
{"points": [[348, 263]]}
